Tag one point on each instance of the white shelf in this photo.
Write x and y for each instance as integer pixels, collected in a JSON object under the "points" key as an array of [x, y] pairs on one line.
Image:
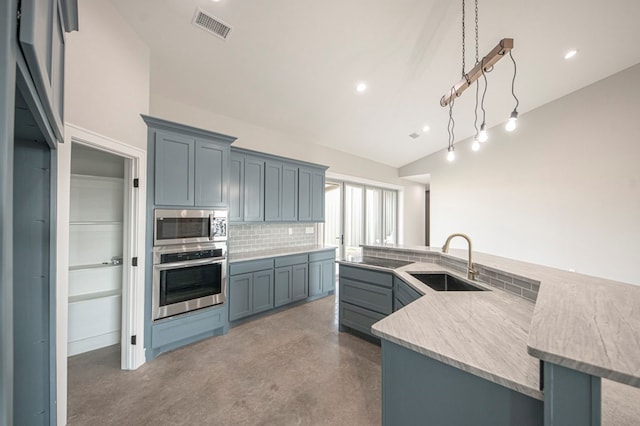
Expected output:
{"points": [[94, 296], [93, 266], [95, 222]]}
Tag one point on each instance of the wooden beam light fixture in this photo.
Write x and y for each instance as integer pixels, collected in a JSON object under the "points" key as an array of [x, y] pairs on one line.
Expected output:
{"points": [[497, 53]]}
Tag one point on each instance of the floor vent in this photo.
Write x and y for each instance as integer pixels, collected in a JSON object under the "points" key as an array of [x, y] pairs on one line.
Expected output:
{"points": [[210, 24], [414, 135]]}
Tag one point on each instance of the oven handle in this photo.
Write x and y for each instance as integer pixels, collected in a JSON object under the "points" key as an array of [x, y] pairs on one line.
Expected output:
{"points": [[187, 263]]}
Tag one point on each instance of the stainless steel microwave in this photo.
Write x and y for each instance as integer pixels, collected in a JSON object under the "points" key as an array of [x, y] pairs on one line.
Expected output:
{"points": [[189, 226]]}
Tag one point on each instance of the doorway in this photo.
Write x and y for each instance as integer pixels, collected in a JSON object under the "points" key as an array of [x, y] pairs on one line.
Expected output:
{"points": [[132, 241], [333, 233], [96, 235]]}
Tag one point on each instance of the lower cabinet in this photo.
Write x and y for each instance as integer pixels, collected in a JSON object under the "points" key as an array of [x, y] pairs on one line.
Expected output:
{"points": [[322, 272], [403, 294], [291, 279], [250, 288], [366, 296], [260, 285]]}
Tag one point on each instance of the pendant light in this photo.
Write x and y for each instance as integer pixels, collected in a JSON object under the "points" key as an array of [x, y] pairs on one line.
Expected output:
{"points": [[512, 123]]}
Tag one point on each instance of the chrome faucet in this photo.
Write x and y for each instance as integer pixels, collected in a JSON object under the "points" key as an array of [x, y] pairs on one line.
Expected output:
{"points": [[472, 274]]}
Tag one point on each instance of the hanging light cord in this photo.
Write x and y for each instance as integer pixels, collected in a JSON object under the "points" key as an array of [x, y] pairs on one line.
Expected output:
{"points": [[484, 112], [513, 81], [475, 110], [463, 42], [451, 124]]}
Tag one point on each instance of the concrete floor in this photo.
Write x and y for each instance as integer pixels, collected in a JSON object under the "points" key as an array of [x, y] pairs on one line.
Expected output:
{"points": [[290, 368]]}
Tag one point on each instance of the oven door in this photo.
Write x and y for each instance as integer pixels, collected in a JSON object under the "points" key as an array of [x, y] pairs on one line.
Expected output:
{"points": [[185, 286]]}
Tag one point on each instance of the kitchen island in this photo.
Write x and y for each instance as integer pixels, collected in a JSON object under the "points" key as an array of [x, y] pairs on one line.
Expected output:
{"points": [[490, 336]]}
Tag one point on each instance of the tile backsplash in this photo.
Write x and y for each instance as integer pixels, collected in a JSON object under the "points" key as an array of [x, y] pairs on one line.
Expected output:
{"points": [[520, 286], [245, 238]]}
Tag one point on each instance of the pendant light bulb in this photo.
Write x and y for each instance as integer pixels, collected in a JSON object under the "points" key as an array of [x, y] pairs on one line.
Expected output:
{"points": [[475, 146], [483, 136], [451, 155], [512, 123]]}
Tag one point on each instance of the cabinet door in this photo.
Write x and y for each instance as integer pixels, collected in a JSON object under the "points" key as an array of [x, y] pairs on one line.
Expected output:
{"points": [[283, 286], [42, 42], [236, 188], [253, 190], [211, 174], [315, 278], [273, 191], [300, 282], [262, 291], [328, 275], [317, 196], [289, 193], [304, 194], [174, 170], [240, 287]]}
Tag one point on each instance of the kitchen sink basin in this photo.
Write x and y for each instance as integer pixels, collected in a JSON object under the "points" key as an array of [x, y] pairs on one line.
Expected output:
{"points": [[445, 282]]}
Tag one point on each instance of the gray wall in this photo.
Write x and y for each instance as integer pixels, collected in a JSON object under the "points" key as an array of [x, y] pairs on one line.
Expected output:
{"points": [[563, 190]]}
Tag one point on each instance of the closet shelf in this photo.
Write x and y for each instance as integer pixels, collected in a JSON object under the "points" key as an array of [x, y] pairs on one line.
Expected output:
{"points": [[94, 296], [95, 222], [92, 266]]}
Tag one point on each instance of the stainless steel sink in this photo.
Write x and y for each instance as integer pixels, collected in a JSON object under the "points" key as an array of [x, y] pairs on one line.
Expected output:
{"points": [[445, 282]]}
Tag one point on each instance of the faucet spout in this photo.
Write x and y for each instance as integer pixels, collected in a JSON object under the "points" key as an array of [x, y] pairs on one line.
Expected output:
{"points": [[472, 274]]}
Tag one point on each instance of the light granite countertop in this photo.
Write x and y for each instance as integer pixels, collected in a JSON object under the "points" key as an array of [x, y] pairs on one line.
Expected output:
{"points": [[285, 251], [581, 322], [483, 333]]}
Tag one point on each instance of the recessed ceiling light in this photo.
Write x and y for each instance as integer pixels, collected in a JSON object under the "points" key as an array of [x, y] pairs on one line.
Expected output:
{"points": [[426, 128], [570, 54], [361, 87]]}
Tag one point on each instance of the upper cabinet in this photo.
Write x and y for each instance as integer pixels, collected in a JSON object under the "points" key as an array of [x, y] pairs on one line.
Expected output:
{"points": [[42, 41], [190, 166], [311, 194], [266, 188]]}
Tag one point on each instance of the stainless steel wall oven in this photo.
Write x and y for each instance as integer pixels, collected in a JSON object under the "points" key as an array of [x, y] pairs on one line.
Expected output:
{"points": [[188, 277]]}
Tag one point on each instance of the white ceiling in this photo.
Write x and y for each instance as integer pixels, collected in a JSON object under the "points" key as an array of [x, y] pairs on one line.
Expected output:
{"points": [[292, 65]]}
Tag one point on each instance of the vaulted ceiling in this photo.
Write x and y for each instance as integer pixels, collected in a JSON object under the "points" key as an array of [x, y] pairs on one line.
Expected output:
{"points": [[292, 65]]}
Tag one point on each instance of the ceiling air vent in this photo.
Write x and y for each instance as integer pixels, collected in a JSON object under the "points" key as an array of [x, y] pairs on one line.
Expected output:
{"points": [[210, 24], [414, 135]]}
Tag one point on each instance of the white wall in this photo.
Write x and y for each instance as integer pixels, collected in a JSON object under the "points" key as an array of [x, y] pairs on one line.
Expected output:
{"points": [[107, 75], [563, 190], [272, 142]]}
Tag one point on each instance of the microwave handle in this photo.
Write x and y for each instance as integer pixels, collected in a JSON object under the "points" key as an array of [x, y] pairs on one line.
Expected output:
{"points": [[187, 263], [211, 227]]}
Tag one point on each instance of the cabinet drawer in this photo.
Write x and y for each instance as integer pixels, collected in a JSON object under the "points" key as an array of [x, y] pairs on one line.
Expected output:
{"points": [[250, 266], [404, 292], [366, 275], [358, 318], [379, 299], [295, 259], [171, 330], [322, 255]]}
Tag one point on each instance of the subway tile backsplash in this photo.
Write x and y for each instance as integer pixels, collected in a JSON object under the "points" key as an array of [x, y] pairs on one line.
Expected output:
{"points": [[520, 286], [244, 238]]}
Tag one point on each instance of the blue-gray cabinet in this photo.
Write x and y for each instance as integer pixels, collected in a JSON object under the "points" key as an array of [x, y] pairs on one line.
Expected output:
{"points": [[190, 166], [236, 188], [403, 294], [416, 387], [175, 169], [311, 194], [174, 332], [41, 39], [267, 188], [273, 191], [291, 279], [289, 192], [211, 174], [253, 209], [322, 272], [366, 296], [250, 288]]}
